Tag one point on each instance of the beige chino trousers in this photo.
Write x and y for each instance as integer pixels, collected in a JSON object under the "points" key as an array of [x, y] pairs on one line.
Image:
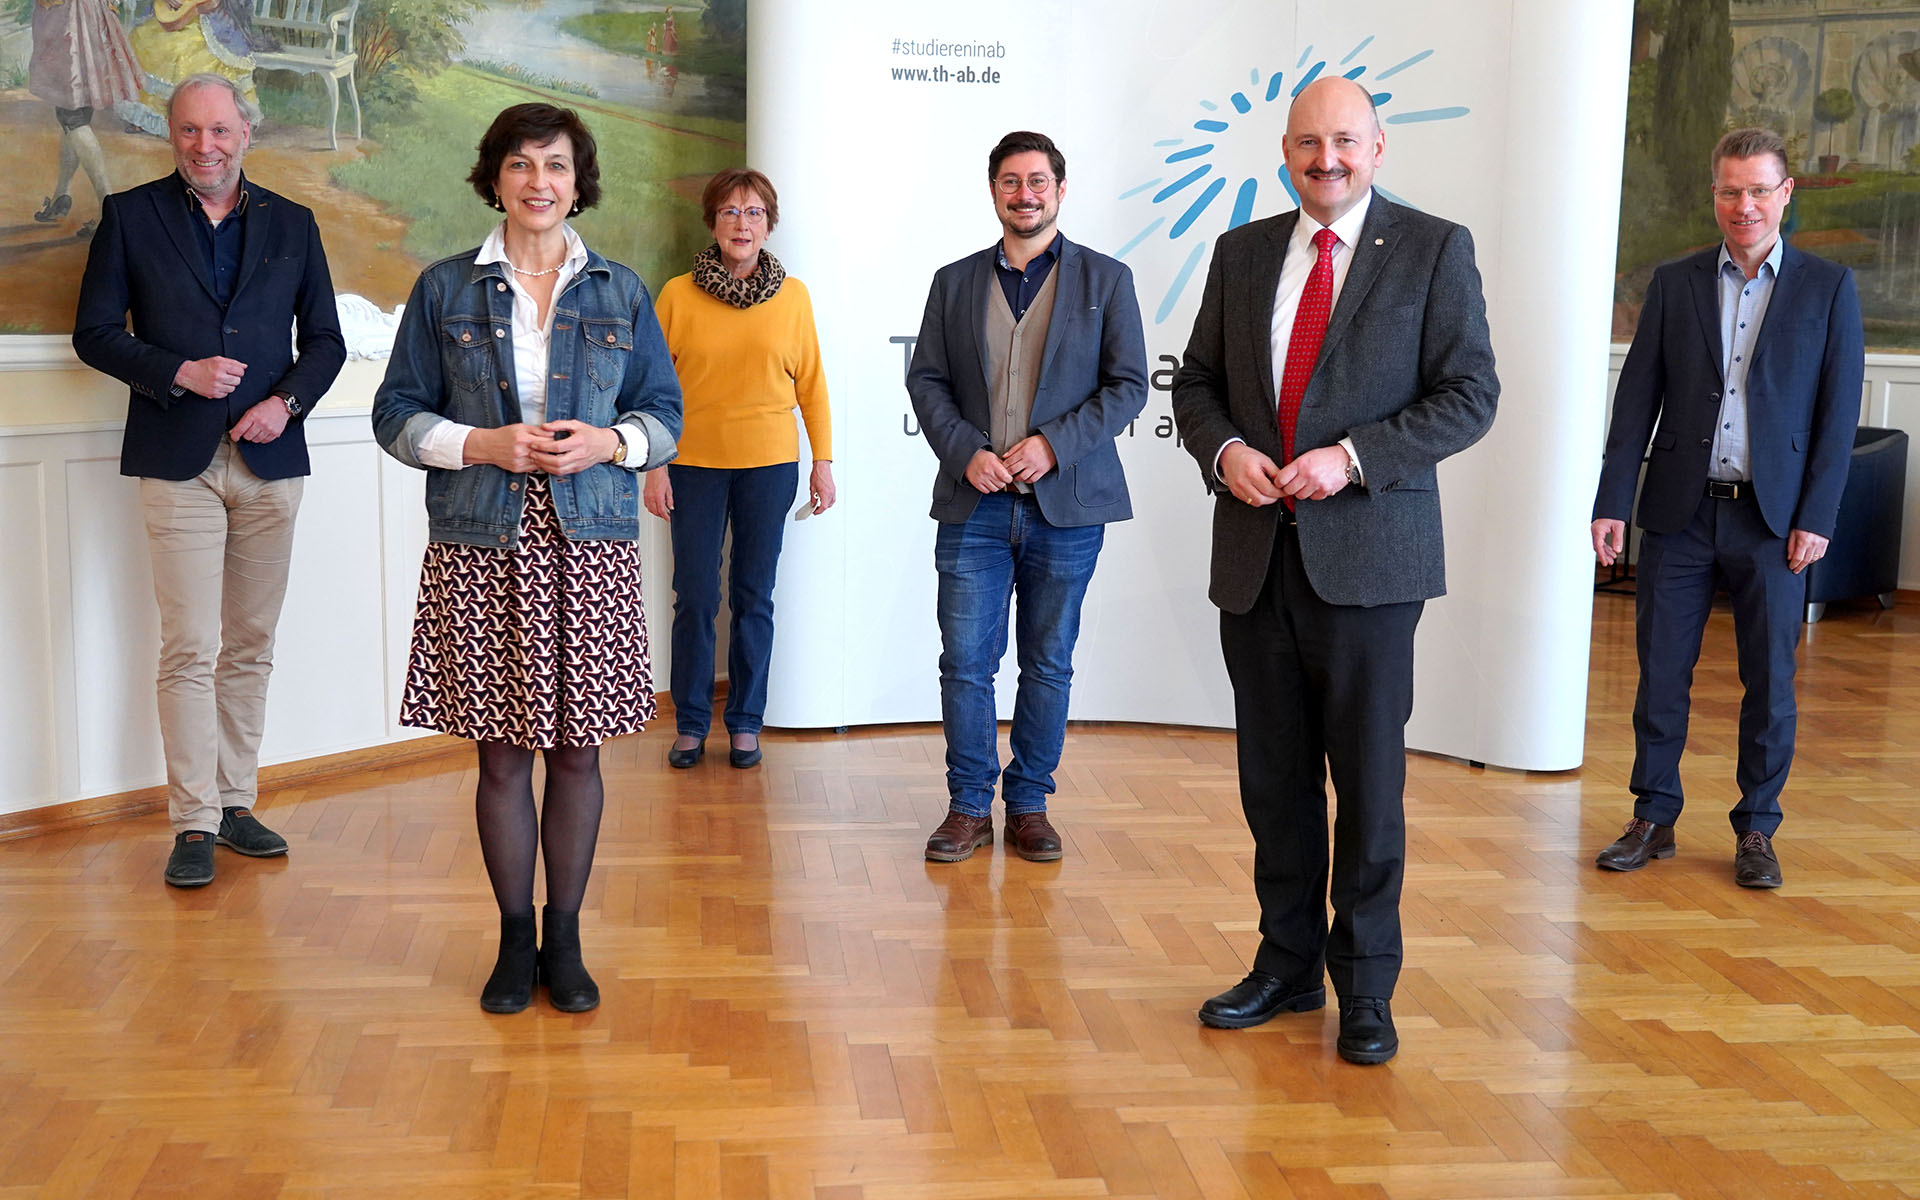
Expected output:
{"points": [[221, 544]]}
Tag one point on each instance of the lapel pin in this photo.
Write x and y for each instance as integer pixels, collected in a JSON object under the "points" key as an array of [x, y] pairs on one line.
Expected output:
{"points": [[1379, 241]]}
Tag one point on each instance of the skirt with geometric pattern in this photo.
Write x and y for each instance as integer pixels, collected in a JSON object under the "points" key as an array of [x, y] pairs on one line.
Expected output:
{"points": [[542, 645]]}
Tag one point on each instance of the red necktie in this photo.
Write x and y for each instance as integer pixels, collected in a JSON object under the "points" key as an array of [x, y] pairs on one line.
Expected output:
{"points": [[1303, 345]]}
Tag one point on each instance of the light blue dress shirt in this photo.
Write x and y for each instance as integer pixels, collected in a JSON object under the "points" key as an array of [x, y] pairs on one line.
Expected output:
{"points": [[1743, 307]]}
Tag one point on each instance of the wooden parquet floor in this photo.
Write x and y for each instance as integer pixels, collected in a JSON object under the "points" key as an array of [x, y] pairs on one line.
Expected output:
{"points": [[796, 1005]]}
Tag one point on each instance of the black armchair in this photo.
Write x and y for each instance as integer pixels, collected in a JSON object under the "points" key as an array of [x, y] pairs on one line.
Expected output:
{"points": [[1864, 557]]}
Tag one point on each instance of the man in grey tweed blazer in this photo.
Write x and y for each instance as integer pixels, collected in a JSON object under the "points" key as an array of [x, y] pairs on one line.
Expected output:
{"points": [[1323, 559]]}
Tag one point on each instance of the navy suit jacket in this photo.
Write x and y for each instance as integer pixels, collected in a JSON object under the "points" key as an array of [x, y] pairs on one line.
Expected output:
{"points": [[1803, 397], [148, 263], [1406, 370], [1093, 381]]}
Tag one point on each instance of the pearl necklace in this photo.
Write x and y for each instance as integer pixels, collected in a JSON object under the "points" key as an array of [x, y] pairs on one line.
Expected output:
{"points": [[537, 274]]}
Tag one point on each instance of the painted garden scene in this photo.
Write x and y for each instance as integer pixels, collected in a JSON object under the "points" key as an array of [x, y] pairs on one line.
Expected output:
{"points": [[371, 110], [1840, 79]]}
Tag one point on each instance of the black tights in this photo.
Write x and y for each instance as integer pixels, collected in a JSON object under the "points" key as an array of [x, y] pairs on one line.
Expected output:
{"points": [[565, 829]]}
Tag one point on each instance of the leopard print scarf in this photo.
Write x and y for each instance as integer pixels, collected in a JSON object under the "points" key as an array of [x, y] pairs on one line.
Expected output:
{"points": [[710, 274]]}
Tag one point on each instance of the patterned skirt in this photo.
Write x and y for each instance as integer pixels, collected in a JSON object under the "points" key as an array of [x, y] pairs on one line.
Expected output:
{"points": [[543, 645]]}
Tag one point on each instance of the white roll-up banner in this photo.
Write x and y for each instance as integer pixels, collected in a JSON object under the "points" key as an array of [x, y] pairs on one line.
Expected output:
{"points": [[874, 121]]}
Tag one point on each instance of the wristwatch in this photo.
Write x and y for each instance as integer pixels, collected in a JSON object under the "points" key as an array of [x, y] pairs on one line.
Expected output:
{"points": [[1353, 472], [620, 451], [294, 407]]}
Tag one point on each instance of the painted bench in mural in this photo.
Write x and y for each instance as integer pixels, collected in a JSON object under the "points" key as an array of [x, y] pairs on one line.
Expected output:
{"points": [[316, 38]]}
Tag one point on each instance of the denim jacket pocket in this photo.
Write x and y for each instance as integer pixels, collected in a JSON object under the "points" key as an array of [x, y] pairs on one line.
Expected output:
{"points": [[467, 350], [609, 344]]}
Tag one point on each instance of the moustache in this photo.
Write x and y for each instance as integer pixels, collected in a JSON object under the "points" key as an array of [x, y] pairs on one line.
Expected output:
{"points": [[1317, 174]]}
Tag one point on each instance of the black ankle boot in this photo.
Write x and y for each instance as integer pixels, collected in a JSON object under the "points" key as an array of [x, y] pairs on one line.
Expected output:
{"points": [[510, 988], [568, 985]]}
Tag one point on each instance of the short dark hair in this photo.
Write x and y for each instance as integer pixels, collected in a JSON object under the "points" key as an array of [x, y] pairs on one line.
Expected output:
{"points": [[537, 124], [1020, 141], [734, 179], [1751, 143]]}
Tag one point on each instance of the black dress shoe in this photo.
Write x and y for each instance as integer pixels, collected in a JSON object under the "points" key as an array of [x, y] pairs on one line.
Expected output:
{"points": [[682, 759], [1367, 1036], [510, 988], [191, 863], [242, 832], [1643, 840], [744, 758], [1754, 865], [1259, 998]]}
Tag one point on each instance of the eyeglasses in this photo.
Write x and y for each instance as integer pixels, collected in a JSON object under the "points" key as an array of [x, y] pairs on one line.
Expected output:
{"points": [[752, 216], [1037, 184], [1731, 195]]}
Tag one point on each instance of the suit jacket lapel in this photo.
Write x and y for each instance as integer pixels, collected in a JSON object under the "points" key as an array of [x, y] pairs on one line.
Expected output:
{"points": [[1069, 299], [1786, 291], [1262, 282], [256, 219], [170, 207], [1705, 285], [1369, 260], [980, 293]]}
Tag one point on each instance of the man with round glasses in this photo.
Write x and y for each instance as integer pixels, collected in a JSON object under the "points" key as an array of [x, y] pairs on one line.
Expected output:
{"points": [[1030, 362], [1745, 376]]}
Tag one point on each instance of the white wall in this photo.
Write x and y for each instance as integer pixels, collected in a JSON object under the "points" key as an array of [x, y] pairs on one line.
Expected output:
{"points": [[1487, 115]]}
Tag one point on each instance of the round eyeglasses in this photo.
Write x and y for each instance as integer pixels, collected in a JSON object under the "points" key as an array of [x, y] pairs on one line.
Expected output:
{"points": [[1037, 184]]}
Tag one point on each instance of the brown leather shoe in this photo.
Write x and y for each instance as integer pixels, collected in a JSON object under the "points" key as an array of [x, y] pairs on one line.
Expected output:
{"points": [[1754, 865], [1643, 840], [1032, 837], [959, 836]]}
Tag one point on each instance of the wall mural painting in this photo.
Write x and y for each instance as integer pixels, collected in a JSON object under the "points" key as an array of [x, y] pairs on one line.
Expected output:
{"points": [[1840, 79], [372, 109]]}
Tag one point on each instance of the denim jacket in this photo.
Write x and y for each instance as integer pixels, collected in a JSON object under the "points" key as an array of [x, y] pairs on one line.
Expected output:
{"points": [[453, 359]]}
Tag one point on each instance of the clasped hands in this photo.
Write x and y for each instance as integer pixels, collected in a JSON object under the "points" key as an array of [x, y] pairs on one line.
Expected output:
{"points": [[1255, 479], [1026, 461], [564, 447]]}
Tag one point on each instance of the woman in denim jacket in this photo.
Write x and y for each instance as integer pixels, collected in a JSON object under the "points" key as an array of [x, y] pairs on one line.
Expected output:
{"points": [[530, 381]]}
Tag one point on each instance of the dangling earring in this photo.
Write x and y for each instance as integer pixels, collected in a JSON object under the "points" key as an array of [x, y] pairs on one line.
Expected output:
{"points": [[495, 203], [575, 210]]}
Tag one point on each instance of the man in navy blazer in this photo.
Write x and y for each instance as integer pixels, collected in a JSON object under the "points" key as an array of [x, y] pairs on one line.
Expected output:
{"points": [[223, 281], [1745, 376], [1340, 352], [1030, 362]]}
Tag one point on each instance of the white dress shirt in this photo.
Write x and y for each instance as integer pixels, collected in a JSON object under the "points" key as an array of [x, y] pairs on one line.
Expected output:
{"points": [[444, 445]]}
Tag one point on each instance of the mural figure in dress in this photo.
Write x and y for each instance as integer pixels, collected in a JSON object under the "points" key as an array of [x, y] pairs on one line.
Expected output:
{"points": [[177, 38], [81, 62]]}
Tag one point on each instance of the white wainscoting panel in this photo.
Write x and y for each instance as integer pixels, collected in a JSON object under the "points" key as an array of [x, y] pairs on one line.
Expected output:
{"points": [[27, 743]]}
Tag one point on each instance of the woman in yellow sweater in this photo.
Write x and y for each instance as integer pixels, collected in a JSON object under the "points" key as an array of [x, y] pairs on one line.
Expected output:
{"points": [[740, 330]]}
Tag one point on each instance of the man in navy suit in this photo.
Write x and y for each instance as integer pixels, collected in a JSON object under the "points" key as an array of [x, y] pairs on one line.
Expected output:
{"points": [[1030, 362], [1340, 352], [223, 280], [1745, 374]]}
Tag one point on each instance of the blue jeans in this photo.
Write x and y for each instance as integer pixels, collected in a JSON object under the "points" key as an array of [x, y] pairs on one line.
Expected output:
{"points": [[705, 499], [1007, 549]]}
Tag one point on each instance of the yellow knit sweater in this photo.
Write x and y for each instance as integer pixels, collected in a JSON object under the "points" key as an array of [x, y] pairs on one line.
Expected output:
{"points": [[742, 372]]}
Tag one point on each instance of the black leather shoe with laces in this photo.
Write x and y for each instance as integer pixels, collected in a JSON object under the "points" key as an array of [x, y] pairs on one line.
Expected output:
{"points": [[1367, 1035], [1259, 998]]}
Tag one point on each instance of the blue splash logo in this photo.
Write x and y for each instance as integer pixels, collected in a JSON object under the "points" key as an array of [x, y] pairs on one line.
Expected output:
{"points": [[1245, 143]]}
